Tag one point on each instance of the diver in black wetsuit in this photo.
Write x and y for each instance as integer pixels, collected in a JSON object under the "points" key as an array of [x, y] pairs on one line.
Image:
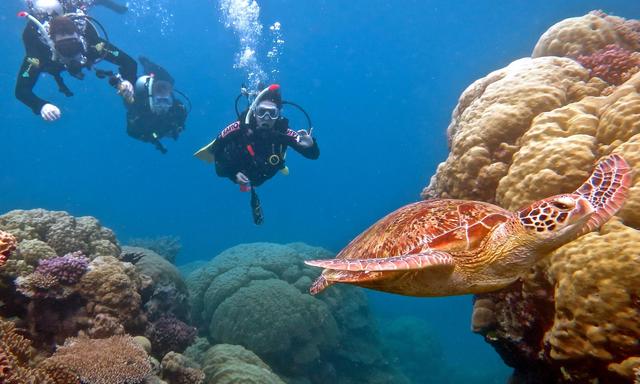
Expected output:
{"points": [[156, 112], [71, 44], [252, 150]]}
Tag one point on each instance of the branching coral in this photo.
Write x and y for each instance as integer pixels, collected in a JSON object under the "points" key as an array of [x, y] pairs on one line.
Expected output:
{"points": [[67, 269], [7, 245], [15, 359], [115, 360], [170, 334], [613, 64]]}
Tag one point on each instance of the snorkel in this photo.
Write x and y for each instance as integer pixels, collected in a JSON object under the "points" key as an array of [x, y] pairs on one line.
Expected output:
{"points": [[41, 28], [256, 101]]}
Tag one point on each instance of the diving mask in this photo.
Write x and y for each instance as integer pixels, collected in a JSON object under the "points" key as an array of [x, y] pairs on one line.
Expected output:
{"points": [[161, 104], [70, 47], [264, 112]]}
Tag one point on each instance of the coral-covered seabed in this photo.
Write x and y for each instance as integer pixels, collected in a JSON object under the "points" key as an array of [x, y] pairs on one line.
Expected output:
{"points": [[77, 307], [533, 129]]}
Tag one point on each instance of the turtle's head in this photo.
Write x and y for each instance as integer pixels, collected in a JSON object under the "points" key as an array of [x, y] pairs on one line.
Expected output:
{"points": [[557, 219]]}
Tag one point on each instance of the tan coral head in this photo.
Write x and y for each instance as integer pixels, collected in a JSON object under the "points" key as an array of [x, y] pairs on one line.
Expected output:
{"points": [[444, 247]]}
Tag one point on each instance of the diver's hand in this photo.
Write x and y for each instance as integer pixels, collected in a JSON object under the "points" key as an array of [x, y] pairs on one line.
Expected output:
{"points": [[242, 179], [50, 112], [125, 89], [305, 139]]}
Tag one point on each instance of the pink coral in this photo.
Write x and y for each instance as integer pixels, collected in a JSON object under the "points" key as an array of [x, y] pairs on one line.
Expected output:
{"points": [[613, 64]]}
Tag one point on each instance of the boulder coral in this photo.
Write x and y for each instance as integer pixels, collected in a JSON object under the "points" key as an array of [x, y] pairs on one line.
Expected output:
{"points": [[256, 295], [587, 34], [228, 364], [573, 318], [43, 234]]}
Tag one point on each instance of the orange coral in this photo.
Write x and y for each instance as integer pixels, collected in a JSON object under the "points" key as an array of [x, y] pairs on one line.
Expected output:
{"points": [[7, 245], [15, 355], [115, 360]]}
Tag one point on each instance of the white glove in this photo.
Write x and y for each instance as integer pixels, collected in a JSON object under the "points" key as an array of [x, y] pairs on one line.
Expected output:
{"points": [[304, 138], [242, 179], [125, 89], [50, 112]]}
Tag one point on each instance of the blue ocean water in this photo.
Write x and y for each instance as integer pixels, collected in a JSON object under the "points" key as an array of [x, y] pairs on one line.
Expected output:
{"points": [[380, 79]]}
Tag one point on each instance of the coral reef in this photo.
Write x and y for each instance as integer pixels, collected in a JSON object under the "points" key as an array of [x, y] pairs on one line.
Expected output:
{"points": [[178, 369], [166, 246], [7, 245], [587, 34], [256, 295], [168, 293], [613, 64], [61, 231], [67, 269], [573, 318], [115, 360], [112, 288], [227, 364], [16, 361], [170, 334]]}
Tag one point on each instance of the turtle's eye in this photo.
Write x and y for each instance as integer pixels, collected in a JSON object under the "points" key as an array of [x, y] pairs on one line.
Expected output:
{"points": [[563, 203]]}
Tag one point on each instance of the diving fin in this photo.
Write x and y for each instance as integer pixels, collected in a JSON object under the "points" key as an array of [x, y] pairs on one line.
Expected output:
{"points": [[256, 208], [206, 153]]}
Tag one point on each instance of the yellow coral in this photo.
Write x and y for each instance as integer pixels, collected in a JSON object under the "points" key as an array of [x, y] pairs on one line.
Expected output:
{"points": [[597, 280], [493, 113], [584, 35]]}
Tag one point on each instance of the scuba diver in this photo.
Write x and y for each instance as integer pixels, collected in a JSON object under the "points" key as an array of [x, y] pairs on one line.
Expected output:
{"points": [[252, 150], [156, 112], [68, 42], [72, 6]]}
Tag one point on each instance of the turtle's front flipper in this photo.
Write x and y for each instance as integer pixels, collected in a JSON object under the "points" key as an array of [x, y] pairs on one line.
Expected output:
{"points": [[394, 263], [330, 277]]}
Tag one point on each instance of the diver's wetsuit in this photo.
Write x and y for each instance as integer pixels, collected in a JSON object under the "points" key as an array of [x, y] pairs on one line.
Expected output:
{"points": [[142, 123], [243, 148], [38, 60]]}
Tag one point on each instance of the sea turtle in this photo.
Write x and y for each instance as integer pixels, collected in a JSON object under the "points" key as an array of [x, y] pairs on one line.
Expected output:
{"points": [[444, 247]]}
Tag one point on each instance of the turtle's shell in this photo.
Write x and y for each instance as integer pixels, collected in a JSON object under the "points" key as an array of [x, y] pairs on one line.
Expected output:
{"points": [[443, 224]]}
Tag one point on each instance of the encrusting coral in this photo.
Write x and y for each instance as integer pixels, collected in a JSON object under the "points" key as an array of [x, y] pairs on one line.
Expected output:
{"points": [[115, 360], [178, 369]]}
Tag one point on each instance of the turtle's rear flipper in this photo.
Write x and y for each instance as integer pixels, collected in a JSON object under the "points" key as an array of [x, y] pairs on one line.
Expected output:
{"points": [[394, 263]]}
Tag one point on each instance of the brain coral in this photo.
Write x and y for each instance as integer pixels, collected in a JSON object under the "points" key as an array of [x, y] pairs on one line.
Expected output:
{"points": [[262, 289], [574, 317], [586, 34]]}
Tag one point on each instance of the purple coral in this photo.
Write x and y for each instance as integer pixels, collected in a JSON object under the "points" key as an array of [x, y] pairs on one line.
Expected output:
{"points": [[170, 334], [67, 269]]}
